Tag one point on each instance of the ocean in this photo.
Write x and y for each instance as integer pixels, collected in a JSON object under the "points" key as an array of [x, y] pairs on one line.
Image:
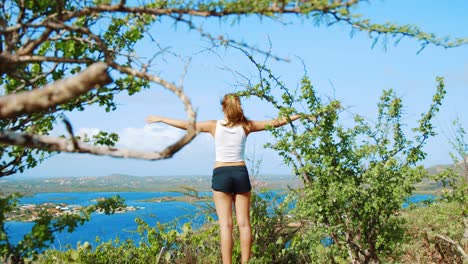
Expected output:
{"points": [[108, 227], [122, 226]]}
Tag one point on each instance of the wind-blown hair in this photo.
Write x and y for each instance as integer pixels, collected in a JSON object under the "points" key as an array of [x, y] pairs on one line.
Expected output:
{"points": [[233, 111]]}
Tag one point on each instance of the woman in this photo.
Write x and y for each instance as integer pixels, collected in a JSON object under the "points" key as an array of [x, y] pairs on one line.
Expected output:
{"points": [[230, 182]]}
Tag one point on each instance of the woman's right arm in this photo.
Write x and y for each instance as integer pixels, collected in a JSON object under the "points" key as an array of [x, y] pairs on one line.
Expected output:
{"points": [[278, 122], [204, 126]]}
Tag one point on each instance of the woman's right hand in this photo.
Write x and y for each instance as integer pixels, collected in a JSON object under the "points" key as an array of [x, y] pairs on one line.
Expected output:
{"points": [[153, 119]]}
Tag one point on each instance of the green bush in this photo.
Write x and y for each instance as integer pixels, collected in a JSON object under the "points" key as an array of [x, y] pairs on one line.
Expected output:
{"points": [[355, 176], [158, 244]]}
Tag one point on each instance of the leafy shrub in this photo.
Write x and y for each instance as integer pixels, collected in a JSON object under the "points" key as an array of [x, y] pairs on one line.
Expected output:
{"points": [[356, 176], [166, 243]]}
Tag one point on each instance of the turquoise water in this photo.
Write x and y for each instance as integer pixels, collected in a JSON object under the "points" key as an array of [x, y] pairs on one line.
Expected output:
{"points": [[108, 227], [123, 226]]}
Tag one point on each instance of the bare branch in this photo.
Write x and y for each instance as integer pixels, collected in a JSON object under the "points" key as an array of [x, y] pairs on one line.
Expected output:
{"points": [[62, 91], [32, 82], [304, 175], [29, 47], [14, 163], [221, 40], [67, 145], [182, 77], [69, 127], [450, 241], [170, 11], [9, 63], [54, 94], [179, 92]]}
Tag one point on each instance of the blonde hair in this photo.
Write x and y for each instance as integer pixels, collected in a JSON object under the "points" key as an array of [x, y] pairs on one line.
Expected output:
{"points": [[233, 111]]}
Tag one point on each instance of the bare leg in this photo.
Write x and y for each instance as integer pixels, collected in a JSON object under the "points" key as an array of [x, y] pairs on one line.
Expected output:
{"points": [[242, 204], [223, 202]]}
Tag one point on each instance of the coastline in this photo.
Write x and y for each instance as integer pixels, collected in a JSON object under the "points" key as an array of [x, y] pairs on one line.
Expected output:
{"points": [[188, 191], [31, 212], [125, 183], [29, 209]]}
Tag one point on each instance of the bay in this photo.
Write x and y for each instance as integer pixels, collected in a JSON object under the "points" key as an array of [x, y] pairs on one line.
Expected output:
{"points": [[108, 227], [122, 226]]}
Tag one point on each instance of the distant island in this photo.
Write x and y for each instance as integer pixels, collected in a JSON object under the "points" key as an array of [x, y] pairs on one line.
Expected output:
{"points": [[30, 212], [183, 198], [127, 183]]}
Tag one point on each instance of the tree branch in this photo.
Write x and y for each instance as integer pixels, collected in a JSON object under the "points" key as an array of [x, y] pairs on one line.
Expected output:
{"points": [[13, 105], [8, 59], [38, 100], [450, 241], [194, 11], [178, 91], [304, 175], [67, 145], [29, 47], [32, 82]]}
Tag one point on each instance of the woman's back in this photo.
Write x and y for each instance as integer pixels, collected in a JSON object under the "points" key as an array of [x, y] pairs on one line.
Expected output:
{"points": [[229, 142]]}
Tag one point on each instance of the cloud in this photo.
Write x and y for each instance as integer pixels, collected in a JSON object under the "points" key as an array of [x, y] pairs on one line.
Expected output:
{"points": [[150, 137], [87, 132]]}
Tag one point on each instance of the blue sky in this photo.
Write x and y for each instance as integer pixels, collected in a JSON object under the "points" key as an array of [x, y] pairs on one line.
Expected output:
{"points": [[339, 65]]}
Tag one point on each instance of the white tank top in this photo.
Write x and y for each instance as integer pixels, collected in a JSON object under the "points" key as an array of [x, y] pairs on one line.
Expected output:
{"points": [[229, 142]]}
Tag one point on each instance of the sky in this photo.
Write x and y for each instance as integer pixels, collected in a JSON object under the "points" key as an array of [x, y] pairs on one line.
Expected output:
{"points": [[340, 65]]}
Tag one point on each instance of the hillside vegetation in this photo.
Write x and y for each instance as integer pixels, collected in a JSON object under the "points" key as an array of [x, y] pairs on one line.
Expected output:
{"points": [[127, 183]]}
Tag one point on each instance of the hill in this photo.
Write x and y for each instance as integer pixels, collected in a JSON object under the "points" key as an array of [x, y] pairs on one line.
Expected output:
{"points": [[128, 183]]}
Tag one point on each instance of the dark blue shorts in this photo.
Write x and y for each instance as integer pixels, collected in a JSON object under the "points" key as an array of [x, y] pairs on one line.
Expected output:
{"points": [[231, 179]]}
